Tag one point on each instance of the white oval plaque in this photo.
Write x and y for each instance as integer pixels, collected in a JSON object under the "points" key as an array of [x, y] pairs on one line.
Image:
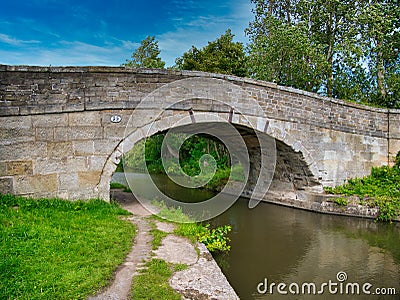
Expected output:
{"points": [[116, 119]]}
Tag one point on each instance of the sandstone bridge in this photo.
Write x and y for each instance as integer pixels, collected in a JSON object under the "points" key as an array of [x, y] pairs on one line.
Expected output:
{"points": [[62, 128]]}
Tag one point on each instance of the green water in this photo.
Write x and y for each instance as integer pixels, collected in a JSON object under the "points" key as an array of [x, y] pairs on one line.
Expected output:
{"points": [[286, 245]]}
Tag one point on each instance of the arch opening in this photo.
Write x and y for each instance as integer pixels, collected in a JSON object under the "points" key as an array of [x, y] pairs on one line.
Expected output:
{"points": [[291, 179]]}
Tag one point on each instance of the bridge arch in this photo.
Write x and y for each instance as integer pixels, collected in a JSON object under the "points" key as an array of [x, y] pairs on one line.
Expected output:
{"points": [[292, 176], [57, 133]]}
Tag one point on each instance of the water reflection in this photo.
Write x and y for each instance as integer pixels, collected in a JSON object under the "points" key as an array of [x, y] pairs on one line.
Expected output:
{"points": [[289, 245]]}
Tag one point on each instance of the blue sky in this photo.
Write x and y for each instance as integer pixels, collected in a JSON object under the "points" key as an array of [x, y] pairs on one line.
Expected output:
{"points": [[100, 32]]}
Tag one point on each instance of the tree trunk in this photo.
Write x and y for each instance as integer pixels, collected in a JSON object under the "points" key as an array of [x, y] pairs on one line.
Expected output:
{"points": [[329, 54], [380, 68]]}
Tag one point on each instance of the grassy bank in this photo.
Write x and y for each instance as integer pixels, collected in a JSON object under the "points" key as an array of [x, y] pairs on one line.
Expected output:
{"points": [[55, 249], [152, 281], [381, 188]]}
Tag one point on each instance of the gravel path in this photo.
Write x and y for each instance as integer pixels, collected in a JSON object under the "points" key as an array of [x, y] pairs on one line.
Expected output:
{"points": [[139, 254], [202, 280]]}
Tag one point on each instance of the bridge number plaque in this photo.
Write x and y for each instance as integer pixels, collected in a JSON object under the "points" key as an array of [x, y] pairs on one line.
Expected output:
{"points": [[116, 119]]}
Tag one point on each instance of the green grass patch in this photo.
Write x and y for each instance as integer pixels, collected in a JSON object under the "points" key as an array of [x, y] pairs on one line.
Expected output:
{"points": [[215, 239], [341, 201], [55, 249], [381, 188], [117, 185], [152, 282], [158, 235]]}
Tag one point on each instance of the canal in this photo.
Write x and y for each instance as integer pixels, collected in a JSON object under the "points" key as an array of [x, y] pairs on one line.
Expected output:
{"points": [[275, 244]]}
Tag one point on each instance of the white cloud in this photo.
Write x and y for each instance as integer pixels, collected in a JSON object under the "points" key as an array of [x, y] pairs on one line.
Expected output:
{"points": [[191, 23], [199, 30], [4, 38], [68, 53]]}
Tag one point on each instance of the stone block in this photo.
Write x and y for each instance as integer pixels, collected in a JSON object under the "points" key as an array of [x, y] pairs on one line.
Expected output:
{"points": [[9, 111], [96, 163], [36, 184], [16, 135], [3, 168], [61, 134], [59, 149], [19, 168], [394, 148], [6, 185], [106, 146], [68, 181], [65, 165], [23, 151], [83, 148], [44, 134], [85, 133], [114, 132], [88, 179], [86, 118], [20, 122], [46, 166], [53, 120], [83, 194]]}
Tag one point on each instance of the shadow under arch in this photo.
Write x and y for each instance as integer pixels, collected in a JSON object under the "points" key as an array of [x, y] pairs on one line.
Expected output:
{"points": [[292, 174]]}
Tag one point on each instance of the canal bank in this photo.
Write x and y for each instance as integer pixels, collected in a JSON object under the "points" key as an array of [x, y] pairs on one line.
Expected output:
{"points": [[201, 278], [284, 244], [326, 204]]}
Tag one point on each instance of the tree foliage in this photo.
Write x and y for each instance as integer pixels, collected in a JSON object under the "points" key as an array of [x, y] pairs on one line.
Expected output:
{"points": [[287, 56], [146, 55], [339, 48], [220, 56]]}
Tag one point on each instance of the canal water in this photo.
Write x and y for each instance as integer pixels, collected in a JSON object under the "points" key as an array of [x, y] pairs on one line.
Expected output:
{"points": [[297, 250]]}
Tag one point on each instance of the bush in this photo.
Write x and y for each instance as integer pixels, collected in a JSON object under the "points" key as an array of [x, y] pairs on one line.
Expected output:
{"points": [[215, 240], [383, 186]]}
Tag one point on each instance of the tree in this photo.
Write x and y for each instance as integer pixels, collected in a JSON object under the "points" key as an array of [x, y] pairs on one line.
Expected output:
{"points": [[339, 48], [286, 55], [146, 56], [220, 56], [380, 38]]}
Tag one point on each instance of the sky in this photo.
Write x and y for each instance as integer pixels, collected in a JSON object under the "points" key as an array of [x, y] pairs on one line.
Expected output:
{"points": [[101, 32]]}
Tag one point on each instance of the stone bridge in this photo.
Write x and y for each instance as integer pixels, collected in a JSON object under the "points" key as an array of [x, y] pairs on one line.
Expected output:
{"points": [[63, 129]]}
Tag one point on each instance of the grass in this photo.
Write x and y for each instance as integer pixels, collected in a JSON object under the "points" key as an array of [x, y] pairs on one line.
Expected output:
{"points": [[158, 235], [152, 282], [55, 249], [381, 188], [216, 239], [116, 185]]}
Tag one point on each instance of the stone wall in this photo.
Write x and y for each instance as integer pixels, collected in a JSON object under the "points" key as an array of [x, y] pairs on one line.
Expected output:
{"points": [[57, 138]]}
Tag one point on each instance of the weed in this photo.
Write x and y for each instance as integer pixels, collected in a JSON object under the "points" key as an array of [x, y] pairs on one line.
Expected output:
{"points": [[383, 185], [341, 201], [215, 239]]}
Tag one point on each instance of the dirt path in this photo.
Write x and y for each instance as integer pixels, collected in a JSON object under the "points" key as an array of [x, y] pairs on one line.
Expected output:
{"points": [[139, 254], [202, 280]]}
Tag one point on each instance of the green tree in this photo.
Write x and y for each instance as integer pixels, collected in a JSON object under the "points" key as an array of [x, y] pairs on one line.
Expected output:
{"points": [[146, 55], [340, 48], [283, 53], [220, 56], [302, 39], [379, 23]]}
